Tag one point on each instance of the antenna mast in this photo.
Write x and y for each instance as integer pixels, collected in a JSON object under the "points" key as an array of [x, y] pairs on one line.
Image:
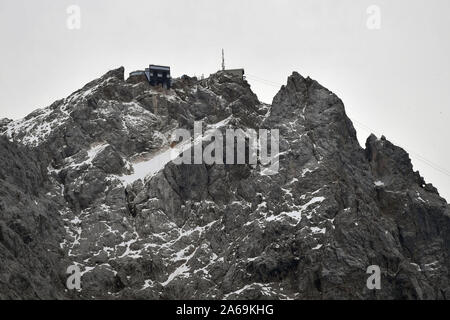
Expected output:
{"points": [[223, 60]]}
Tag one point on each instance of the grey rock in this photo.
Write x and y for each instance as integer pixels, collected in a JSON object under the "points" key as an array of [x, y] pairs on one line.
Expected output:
{"points": [[212, 231]]}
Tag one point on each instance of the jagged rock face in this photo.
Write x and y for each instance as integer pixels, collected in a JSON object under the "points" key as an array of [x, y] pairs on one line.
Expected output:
{"points": [[83, 182], [30, 227]]}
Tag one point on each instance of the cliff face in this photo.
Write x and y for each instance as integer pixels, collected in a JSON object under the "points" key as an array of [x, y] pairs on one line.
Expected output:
{"points": [[83, 183]]}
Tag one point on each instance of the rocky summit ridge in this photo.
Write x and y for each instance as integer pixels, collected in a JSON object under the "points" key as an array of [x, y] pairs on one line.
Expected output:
{"points": [[79, 186]]}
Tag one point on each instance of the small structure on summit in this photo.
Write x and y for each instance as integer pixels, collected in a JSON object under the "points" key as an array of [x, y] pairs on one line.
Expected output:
{"points": [[233, 72], [155, 75]]}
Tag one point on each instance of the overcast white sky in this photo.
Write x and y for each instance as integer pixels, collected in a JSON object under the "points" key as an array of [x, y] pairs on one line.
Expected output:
{"points": [[394, 80]]}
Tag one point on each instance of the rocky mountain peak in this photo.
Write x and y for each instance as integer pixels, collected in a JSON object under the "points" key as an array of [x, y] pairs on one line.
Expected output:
{"points": [[99, 191]]}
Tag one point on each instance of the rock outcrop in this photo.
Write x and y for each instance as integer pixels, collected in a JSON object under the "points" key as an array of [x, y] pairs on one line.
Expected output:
{"points": [[82, 183]]}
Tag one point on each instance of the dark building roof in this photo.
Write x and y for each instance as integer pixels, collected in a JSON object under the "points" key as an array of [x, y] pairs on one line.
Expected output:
{"points": [[162, 68], [155, 75]]}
